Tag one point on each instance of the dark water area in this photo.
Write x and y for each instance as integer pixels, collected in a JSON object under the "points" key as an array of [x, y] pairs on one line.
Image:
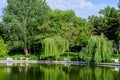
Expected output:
{"points": [[57, 72]]}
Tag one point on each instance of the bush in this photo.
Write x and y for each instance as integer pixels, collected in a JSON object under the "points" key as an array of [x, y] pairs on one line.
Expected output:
{"points": [[17, 56], [34, 57], [3, 47]]}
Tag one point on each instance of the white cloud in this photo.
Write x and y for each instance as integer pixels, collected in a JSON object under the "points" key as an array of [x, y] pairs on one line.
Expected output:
{"points": [[3, 2], [70, 4], [81, 7]]}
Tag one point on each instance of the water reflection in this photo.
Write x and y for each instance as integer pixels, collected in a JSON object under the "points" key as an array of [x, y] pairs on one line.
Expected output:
{"points": [[9, 63], [117, 68], [58, 72]]}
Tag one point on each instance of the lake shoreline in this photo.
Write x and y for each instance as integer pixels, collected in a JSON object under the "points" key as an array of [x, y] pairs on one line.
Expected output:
{"points": [[59, 62]]}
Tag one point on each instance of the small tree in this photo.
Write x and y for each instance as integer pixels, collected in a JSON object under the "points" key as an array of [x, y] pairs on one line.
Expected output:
{"points": [[54, 46], [3, 48], [99, 49]]}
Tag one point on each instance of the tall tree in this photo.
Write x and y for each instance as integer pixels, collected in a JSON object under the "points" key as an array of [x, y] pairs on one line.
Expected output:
{"points": [[21, 19], [112, 23], [67, 25]]}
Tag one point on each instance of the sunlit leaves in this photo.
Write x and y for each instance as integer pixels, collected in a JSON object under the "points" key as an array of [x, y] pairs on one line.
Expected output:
{"points": [[99, 49], [3, 47], [54, 46]]}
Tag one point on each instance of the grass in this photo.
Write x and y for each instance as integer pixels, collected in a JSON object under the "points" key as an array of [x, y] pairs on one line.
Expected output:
{"points": [[116, 56], [73, 56], [19, 56]]}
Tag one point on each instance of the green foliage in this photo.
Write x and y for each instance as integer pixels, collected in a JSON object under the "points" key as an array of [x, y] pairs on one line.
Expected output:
{"points": [[84, 35], [116, 56], [27, 26], [67, 25], [97, 23], [21, 19], [99, 49], [34, 57], [17, 56], [3, 47], [54, 46], [111, 22]]}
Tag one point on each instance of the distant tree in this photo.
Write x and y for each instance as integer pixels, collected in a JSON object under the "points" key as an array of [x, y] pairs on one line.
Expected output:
{"points": [[21, 19]]}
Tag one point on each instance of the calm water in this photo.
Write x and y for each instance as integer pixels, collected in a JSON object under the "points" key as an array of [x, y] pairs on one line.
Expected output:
{"points": [[57, 72]]}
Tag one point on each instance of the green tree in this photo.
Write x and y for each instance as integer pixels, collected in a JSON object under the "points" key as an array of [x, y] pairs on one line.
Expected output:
{"points": [[21, 19], [67, 25], [112, 23], [3, 47], [97, 23], [99, 49], [54, 46]]}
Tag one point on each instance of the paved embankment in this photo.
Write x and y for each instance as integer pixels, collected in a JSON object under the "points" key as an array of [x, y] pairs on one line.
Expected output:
{"points": [[59, 62]]}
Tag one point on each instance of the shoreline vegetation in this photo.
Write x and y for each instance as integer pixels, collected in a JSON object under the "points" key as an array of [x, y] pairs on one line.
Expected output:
{"points": [[40, 33]]}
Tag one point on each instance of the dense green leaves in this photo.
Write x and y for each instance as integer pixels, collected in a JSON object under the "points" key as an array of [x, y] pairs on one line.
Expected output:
{"points": [[67, 25], [21, 19], [99, 49], [97, 23], [30, 25], [111, 22], [3, 47], [54, 46], [108, 23]]}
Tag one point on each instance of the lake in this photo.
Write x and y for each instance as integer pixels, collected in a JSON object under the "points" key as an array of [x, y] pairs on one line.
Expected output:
{"points": [[57, 72]]}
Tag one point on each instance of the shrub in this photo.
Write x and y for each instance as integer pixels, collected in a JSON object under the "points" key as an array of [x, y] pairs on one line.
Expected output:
{"points": [[3, 47]]}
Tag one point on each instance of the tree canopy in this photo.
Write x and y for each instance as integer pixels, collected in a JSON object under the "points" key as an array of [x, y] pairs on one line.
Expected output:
{"points": [[31, 25], [21, 19], [99, 49]]}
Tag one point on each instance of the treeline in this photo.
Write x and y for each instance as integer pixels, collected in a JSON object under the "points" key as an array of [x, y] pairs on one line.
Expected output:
{"points": [[30, 26]]}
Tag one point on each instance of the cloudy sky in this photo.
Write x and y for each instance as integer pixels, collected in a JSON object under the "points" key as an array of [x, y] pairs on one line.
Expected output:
{"points": [[82, 8]]}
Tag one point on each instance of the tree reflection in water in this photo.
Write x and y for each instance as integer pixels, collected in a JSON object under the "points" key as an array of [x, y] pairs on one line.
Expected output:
{"points": [[57, 72]]}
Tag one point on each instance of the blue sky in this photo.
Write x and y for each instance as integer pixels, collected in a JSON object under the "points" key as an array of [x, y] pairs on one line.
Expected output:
{"points": [[82, 8]]}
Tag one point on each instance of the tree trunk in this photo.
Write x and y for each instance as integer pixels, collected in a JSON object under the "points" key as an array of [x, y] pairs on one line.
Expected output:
{"points": [[26, 51], [117, 47]]}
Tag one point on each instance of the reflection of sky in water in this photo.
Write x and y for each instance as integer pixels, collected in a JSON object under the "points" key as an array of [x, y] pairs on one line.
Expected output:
{"points": [[117, 68]]}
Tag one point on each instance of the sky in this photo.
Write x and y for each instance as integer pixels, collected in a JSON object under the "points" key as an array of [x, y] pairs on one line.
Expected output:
{"points": [[82, 8]]}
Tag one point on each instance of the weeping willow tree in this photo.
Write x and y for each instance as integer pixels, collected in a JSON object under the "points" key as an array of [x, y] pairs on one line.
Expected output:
{"points": [[54, 46], [99, 49]]}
